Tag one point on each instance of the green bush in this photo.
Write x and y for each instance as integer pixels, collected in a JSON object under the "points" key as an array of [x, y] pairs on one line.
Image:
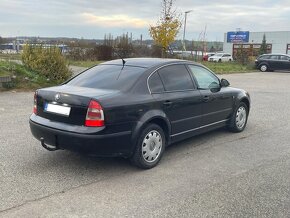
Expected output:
{"points": [[48, 62]]}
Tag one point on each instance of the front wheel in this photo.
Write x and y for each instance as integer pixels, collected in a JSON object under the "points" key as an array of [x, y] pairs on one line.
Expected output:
{"points": [[263, 67], [239, 118], [150, 147]]}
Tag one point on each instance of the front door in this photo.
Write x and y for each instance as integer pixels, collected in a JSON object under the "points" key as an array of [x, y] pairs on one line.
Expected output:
{"points": [[217, 102]]}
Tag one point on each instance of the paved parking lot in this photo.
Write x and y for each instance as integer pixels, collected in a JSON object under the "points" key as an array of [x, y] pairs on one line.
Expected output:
{"points": [[219, 174]]}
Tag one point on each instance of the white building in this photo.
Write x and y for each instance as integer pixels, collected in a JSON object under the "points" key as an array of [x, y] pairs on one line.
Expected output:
{"points": [[278, 42]]}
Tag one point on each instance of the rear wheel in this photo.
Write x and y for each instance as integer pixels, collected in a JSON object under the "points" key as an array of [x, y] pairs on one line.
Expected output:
{"points": [[239, 118], [150, 147], [263, 67]]}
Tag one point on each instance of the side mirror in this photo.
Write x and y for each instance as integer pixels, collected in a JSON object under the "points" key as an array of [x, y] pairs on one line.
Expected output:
{"points": [[224, 83], [214, 87]]}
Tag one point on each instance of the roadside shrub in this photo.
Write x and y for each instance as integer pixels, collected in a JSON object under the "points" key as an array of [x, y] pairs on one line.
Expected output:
{"points": [[48, 62], [105, 52], [156, 51], [76, 54]]}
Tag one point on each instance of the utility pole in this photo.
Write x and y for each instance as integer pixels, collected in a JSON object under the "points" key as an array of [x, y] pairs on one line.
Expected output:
{"points": [[183, 41]]}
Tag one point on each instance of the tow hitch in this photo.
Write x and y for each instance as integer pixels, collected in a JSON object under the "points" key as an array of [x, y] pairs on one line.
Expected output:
{"points": [[48, 147]]}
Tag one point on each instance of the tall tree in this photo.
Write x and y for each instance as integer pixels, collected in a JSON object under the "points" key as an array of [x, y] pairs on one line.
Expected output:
{"points": [[263, 48], [167, 26]]}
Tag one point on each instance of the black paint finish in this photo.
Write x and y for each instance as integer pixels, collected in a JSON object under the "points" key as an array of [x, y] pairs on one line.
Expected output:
{"points": [[128, 109]]}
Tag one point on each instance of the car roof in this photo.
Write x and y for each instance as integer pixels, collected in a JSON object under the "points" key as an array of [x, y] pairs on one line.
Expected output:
{"points": [[222, 53], [277, 54], [143, 62]]}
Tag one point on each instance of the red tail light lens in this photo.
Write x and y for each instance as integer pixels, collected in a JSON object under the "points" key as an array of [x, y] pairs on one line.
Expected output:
{"points": [[35, 103], [95, 115]]}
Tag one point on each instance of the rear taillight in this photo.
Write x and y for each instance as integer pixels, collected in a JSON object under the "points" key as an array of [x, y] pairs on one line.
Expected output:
{"points": [[35, 103], [95, 115]]}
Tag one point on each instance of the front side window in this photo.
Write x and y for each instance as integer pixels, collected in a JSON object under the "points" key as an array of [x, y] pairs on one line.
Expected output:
{"points": [[175, 78], [204, 78], [274, 57], [264, 57]]}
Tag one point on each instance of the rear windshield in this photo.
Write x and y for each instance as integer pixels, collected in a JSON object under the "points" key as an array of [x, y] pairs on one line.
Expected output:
{"points": [[108, 77]]}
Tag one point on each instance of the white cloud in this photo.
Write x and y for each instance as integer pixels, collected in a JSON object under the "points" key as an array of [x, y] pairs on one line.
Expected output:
{"points": [[78, 17], [119, 20]]}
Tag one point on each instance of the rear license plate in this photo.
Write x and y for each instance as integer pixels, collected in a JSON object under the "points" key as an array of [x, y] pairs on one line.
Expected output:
{"points": [[57, 109]]}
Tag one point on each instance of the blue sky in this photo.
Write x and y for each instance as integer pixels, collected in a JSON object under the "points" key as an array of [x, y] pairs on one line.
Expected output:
{"points": [[93, 18]]}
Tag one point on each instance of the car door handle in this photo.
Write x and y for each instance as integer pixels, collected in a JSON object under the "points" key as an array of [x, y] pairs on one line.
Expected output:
{"points": [[167, 103], [206, 98]]}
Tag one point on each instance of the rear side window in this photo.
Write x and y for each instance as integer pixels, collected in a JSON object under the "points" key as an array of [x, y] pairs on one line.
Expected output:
{"points": [[176, 78], [155, 83], [284, 58], [108, 77]]}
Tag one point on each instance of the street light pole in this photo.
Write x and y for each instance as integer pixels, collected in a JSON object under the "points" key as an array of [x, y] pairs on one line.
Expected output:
{"points": [[183, 41]]}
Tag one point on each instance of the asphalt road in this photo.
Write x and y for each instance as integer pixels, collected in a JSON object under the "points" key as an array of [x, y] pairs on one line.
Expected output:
{"points": [[219, 174]]}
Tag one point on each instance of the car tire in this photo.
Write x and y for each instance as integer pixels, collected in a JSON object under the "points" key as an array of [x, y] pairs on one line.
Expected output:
{"points": [[220, 60], [263, 67], [149, 147], [230, 60], [239, 118]]}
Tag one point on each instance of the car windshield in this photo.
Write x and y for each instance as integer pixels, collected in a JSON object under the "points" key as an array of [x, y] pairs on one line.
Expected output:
{"points": [[108, 77], [219, 55]]}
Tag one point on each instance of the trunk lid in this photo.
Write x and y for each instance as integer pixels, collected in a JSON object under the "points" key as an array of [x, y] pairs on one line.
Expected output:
{"points": [[67, 104]]}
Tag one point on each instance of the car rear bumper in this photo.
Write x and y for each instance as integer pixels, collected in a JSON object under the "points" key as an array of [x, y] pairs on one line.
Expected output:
{"points": [[107, 145]]}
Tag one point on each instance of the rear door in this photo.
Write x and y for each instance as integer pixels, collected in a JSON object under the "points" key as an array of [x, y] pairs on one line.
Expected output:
{"points": [[225, 57], [285, 62], [177, 96], [217, 103]]}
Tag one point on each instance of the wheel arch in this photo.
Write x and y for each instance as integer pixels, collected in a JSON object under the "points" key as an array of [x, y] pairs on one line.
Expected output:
{"points": [[264, 63], [155, 116], [246, 101]]}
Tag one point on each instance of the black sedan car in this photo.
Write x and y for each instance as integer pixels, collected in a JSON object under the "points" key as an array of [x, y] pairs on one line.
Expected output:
{"points": [[134, 108], [271, 62]]}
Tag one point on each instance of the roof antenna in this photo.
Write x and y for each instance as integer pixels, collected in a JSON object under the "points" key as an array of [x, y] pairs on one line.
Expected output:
{"points": [[123, 61]]}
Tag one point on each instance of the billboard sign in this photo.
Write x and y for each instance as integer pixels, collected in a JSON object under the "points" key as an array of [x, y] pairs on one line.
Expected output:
{"points": [[236, 37]]}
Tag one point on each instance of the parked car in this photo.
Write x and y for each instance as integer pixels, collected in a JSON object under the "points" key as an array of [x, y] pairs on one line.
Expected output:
{"points": [[205, 57], [135, 108], [271, 62], [221, 57]]}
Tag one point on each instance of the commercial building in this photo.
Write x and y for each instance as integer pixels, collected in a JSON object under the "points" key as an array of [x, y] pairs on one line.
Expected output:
{"points": [[250, 42]]}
